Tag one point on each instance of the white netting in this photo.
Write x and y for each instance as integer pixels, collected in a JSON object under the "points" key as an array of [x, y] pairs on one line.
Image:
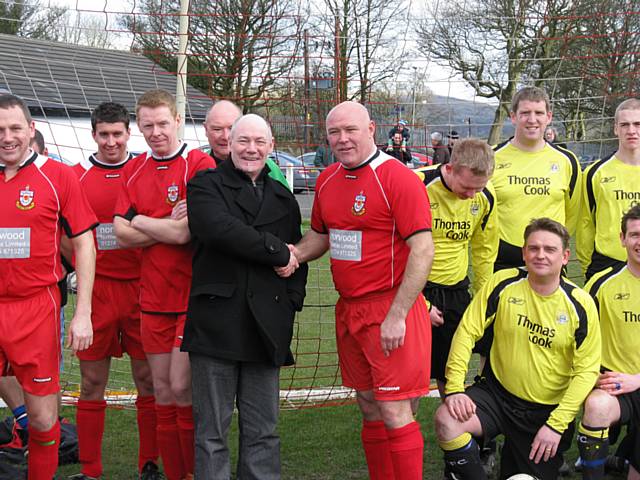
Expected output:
{"points": [[439, 65]]}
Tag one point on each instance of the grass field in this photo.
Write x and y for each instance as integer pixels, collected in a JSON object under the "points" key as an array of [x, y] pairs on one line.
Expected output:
{"points": [[317, 443]]}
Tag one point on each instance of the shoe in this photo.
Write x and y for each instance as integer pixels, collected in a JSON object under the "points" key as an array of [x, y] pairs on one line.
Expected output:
{"points": [[488, 459], [578, 465], [81, 476], [565, 469], [616, 465], [150, 471]]}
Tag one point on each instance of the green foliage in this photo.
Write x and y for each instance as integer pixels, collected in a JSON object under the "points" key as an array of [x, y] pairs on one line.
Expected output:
{"points": [[30, 19]]}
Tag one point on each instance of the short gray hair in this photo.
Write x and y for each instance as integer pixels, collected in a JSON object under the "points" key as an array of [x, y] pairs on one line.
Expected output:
{"points": [[437, 136], [252, 116]]}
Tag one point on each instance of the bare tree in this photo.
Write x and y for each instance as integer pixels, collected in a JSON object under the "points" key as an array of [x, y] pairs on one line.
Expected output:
{"points": [[89, 30], [29, 19], [584, 52], [597, 69], [238, 49], [366, 47], [496, 45]]}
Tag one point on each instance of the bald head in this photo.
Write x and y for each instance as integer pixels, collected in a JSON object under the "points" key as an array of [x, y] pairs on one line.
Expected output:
{"points": [[350, 132], [250, 143], [217, 127]]}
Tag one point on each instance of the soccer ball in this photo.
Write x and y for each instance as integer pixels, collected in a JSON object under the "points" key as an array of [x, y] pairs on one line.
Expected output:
{"points": [[522, 476]]}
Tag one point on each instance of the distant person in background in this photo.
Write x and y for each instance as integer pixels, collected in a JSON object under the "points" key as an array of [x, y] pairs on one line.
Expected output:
{"points": [[551, 136], [324, 156], [38, 145], [453, 138], [398, 151], [402, 129], [217, 127], [440, 151]]}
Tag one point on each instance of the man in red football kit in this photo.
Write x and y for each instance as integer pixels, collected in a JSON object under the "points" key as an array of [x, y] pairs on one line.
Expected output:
{"points": [[151, 213], [115, 303], [373, 214], [39, 200]]}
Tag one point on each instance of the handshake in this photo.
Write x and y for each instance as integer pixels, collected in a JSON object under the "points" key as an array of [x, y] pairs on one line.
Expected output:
{"points": [[293, 264]]}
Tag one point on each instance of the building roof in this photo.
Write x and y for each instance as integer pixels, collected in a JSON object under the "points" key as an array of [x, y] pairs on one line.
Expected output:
{"points": [[60, 78]]}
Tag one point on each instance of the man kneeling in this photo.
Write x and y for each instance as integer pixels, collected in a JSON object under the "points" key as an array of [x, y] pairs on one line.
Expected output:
{"points": [[543, 361], [616, 400]]}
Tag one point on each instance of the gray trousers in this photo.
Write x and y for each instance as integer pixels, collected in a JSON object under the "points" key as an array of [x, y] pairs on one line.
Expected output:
{"points": [[254, 387]]}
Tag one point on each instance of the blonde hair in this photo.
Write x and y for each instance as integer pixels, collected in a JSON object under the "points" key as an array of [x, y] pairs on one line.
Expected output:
{"points": [[157, 98], [474, 154], [628, 104]]}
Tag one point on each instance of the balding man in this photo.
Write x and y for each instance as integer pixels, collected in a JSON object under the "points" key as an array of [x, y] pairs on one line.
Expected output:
{"points": [[240, 317], [374, 215], [217, 126]]}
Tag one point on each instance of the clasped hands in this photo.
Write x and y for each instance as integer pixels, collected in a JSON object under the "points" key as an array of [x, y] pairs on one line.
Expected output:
{"points": [[293, 264]]}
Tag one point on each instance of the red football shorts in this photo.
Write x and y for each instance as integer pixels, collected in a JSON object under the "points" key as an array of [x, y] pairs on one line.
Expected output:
{"points": [[115, 317], [405, 372], [30, 341], [161, 332]]}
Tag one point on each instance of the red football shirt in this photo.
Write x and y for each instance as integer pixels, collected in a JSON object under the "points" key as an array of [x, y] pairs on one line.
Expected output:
{"points": [[102, 183], [368, 212], [36, 205], [152, 187]]}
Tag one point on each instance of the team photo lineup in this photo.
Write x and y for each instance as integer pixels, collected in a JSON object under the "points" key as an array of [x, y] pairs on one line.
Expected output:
{"points": [[195, 261]]}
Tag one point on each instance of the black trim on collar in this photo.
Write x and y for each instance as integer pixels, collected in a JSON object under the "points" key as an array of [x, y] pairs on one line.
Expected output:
{"points": [[25, 163], [173, 157], [108, 166], [444, 182], [367, 162]]}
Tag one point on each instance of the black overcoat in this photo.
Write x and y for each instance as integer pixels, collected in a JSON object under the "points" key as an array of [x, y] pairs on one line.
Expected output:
{"points": [[239, 308]]}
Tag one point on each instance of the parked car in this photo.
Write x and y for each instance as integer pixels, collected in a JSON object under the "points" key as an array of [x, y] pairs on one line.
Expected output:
{"points": [[420, 160], [304, 175], [308, 159]]}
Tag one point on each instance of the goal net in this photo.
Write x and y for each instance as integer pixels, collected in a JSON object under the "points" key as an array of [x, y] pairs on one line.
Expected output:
{"points": [[441, 66]]}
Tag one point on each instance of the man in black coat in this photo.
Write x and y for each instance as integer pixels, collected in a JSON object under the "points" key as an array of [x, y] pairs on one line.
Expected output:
{"points": [[240, 317]]}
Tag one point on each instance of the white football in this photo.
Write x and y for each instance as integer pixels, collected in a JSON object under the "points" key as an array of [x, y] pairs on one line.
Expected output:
{"points": [[522, 476]]}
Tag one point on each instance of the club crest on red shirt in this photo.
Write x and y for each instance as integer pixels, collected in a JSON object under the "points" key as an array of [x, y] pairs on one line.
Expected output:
{"points": [[172, 194], [25, 199], [358, 205]]}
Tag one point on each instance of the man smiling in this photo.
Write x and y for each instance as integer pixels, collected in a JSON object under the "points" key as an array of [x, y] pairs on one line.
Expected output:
{"points": [[40, 198], [544, 359], [151, 214], [240, 319], [532, 178]]}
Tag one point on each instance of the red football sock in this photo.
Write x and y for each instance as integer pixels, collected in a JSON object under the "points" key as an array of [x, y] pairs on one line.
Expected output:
{"points": [[169, 442], [407, 445], [146, 413], [43, 452], [185, 429], [90, 423], [376, 449]]}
